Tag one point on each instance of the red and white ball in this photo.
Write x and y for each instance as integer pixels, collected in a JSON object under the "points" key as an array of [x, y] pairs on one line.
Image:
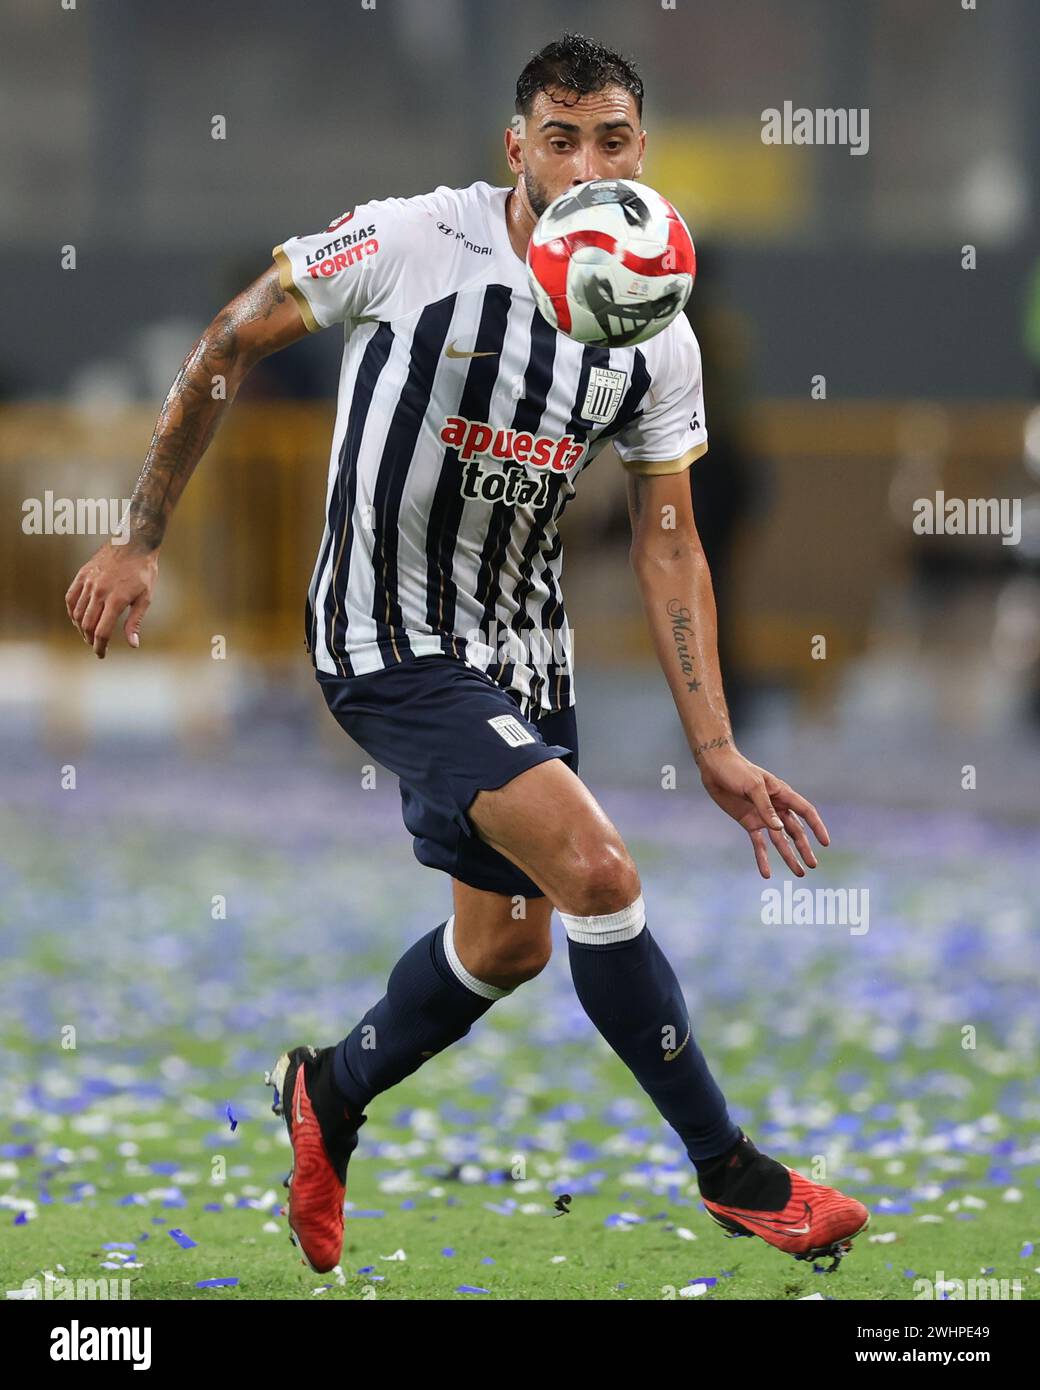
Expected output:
{"points": [[611, 263]]}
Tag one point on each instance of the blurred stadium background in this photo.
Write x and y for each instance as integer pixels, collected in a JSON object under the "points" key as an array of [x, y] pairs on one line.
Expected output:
{"points": [[198, 777]]}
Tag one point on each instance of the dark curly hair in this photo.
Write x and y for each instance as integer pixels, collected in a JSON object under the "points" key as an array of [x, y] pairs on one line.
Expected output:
{"points": [[580, 65]]}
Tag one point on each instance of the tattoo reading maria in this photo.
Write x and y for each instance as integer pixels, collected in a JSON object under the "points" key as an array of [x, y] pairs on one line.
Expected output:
{"points": [[682, 634]]}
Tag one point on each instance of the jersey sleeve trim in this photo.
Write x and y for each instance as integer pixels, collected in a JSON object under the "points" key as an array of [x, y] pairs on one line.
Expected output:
{"points": [[285, 279], [655, 467]]}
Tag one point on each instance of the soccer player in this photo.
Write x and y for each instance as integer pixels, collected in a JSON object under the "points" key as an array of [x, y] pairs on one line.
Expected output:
{"points": [[464, 422]]}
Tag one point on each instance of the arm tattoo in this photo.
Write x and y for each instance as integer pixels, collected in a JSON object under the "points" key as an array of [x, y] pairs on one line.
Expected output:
{"points": [[682, 632], [711, 743], [190, 414], [638, 494]]}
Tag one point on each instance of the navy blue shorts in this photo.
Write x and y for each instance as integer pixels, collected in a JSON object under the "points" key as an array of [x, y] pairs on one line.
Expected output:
{"points": [[448, 731]]}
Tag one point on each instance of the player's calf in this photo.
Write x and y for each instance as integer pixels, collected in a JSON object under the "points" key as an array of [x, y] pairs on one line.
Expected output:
{"points": [[502, 940]]}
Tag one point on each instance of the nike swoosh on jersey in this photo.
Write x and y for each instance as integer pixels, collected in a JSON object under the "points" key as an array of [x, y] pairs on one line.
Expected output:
{"points": [[671, 1056], [450, 351]]}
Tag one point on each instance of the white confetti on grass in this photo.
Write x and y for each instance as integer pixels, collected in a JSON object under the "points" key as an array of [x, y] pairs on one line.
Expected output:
{"points": [[20, 1204]]}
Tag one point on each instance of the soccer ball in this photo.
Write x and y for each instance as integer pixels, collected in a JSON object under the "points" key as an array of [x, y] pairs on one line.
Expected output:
{"points": [[611, 263]]}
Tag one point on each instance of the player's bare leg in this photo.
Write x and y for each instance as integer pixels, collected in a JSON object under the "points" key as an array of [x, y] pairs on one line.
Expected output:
{"points": [[549, 824], [502, 940]]}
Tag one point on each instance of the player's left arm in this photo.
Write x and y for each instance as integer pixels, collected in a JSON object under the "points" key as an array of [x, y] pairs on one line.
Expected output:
{"points": [[673, 578]]}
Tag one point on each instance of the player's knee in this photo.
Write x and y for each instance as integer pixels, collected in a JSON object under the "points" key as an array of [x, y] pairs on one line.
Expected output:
{"points": [[603, 879]]}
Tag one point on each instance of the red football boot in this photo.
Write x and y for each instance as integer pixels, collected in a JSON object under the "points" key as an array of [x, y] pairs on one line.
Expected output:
{"points": [[323, 1134], [756, 1196]]}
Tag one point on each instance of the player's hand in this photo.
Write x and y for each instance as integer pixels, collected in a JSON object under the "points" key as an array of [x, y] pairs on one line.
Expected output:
{"points": [[763, 805], [112, 579]]}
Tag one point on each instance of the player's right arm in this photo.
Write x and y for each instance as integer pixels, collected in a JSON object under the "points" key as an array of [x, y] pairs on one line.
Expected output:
{"points": [[259, 321]]}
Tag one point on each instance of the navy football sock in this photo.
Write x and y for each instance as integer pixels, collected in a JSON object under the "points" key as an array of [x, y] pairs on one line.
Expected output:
{"points": [[431, 1000], [629, 991]]}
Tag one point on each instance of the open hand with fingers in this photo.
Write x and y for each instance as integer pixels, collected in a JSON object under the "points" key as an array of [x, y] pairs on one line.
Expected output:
{"points": [[114, 578], [763, 805]]}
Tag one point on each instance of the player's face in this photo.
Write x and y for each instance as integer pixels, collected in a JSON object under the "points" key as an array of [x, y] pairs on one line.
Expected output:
{"points": [[568, 140]]}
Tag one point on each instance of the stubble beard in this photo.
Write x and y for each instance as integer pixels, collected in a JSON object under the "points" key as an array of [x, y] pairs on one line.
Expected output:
{"points": [[537, 196]]}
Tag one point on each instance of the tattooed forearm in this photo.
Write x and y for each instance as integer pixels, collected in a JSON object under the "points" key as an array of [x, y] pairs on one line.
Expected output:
{"points": [[682, 635], [192, 411], [709, 745], [188, 418]]}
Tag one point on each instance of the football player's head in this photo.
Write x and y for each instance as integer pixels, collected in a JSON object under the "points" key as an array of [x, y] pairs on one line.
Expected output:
{"points": [[579, 110]]}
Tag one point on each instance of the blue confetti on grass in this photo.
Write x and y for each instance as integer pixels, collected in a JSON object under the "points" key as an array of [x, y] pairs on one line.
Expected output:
{"points": [[886, 988], [232, 1121], [470, 1288], [185, 1242], [217, 1283]]}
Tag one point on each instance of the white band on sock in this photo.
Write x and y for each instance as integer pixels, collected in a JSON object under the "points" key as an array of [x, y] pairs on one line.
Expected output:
{"points": [[471, 982], [602, 931]]}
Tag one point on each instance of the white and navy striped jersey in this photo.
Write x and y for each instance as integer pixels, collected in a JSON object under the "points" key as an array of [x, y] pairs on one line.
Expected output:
{"points": [[463, 423]]}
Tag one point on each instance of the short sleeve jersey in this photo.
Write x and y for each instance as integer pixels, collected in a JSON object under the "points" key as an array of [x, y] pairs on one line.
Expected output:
{"points": [[463, 423]]}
